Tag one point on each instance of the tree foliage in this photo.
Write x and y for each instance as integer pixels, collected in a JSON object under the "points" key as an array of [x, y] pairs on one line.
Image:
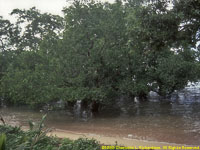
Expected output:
{"points": [[100, 51], [34, 26]]}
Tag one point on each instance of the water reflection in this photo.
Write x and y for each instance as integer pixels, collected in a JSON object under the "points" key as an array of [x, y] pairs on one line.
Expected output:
{"points": [[176, 119]]}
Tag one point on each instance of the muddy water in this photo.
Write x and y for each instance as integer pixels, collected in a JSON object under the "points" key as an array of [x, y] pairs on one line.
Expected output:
{"points": [[173, 120]]}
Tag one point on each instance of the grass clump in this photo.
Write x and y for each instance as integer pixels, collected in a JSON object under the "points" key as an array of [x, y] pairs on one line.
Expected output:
{"points": [[13, 138]]}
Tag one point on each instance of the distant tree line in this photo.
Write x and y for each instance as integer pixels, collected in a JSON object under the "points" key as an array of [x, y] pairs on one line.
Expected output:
{"points": [[99, 51]]}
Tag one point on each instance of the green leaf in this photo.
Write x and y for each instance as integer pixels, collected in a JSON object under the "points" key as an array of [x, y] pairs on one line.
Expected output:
{"points": [[3, 142]]}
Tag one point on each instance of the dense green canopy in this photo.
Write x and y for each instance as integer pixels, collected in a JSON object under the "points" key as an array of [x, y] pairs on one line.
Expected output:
{"points": [[99, 51]]}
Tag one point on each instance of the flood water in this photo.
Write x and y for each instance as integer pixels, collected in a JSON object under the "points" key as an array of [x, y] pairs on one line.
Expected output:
{"points": [[173, 120]]}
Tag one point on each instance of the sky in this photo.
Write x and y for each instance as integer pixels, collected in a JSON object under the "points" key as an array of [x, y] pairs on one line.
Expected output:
{"points": [[51, 6]]}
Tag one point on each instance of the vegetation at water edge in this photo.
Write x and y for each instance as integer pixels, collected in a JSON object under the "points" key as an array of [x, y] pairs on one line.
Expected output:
{"points": [[99, 51]]}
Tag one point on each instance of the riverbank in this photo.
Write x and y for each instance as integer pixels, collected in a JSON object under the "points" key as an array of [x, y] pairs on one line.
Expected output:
{"points": [[155, 126], [103, 139], [106, 140], [176, 122], [110, 140]]}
